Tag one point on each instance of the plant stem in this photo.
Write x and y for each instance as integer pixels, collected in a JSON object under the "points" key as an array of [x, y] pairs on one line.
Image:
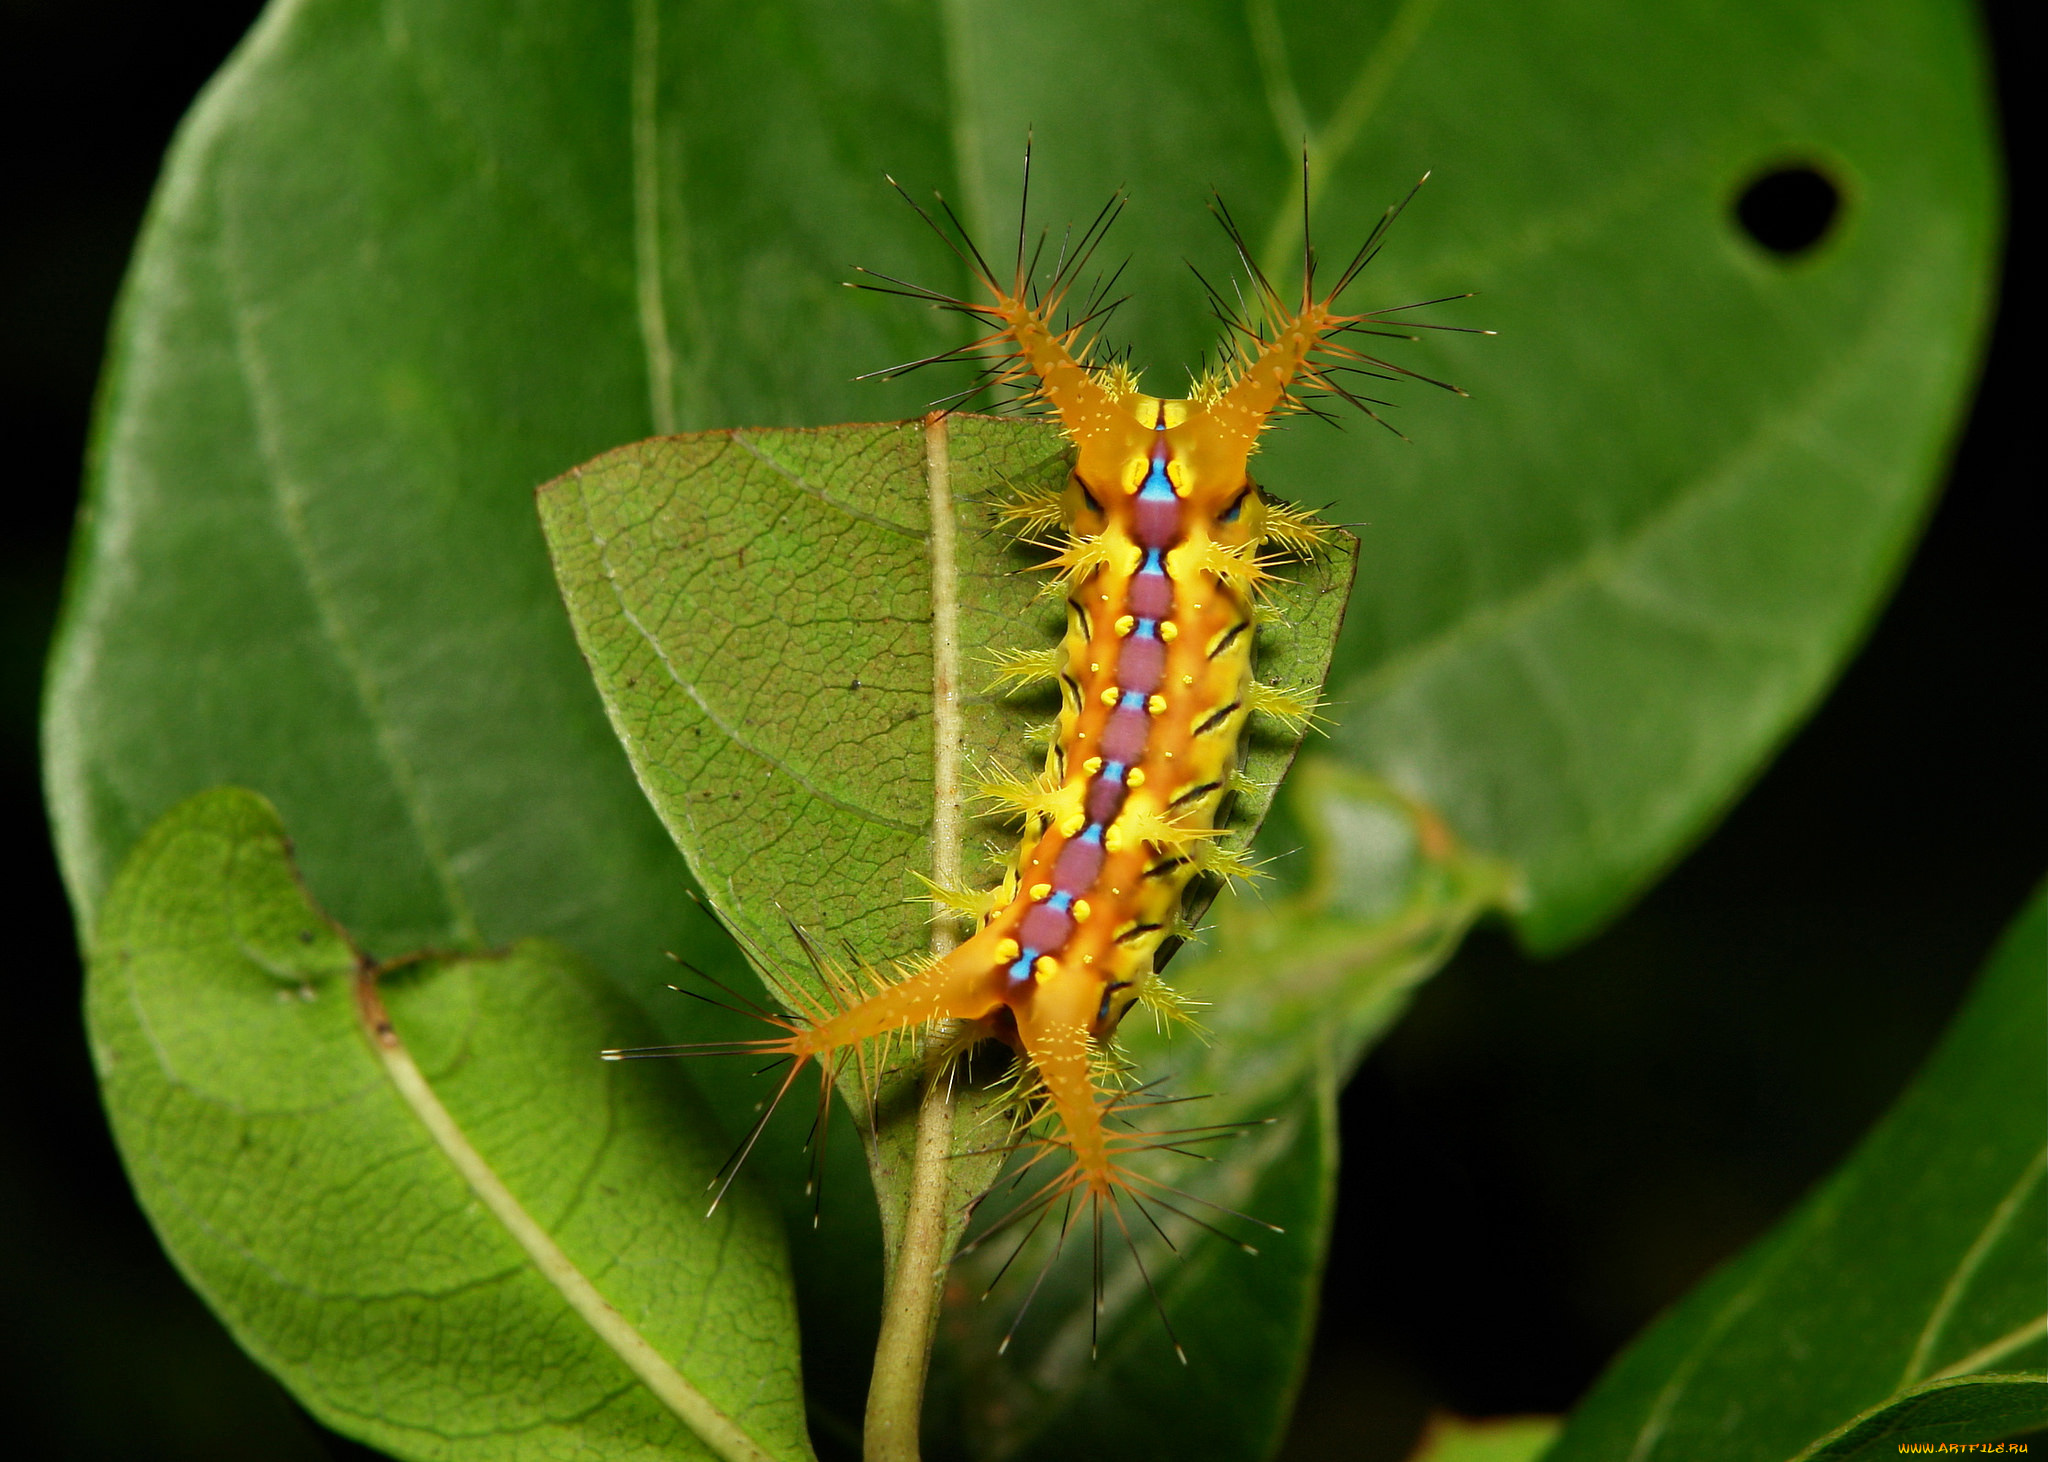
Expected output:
{"points": [[910, 1309]]}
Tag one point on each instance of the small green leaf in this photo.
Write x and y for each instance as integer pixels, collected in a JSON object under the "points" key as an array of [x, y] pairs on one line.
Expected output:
{"points": [[1902, 1302], [1504, 1439], [421, 1200]]}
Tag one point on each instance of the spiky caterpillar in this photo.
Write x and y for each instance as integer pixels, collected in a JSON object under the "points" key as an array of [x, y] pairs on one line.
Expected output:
{"points": [[1159, 537]]}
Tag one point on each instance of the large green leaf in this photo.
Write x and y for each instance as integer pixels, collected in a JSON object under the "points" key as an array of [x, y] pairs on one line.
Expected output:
{"points": [[420, 1199], [1902, 1302], [411, 258]]}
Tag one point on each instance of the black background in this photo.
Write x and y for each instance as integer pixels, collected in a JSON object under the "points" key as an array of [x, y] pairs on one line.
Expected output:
{"points": [[1543, 1154]]}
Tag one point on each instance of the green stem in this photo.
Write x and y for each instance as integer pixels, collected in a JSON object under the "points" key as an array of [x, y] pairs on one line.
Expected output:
{"points": [[910, 1309]]}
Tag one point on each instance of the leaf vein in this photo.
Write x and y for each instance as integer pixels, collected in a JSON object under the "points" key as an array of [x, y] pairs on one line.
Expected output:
{"points": [[674, 1390], [729, 732], [1966, 1269], [798, 480], [289, 501], [649, 299]]}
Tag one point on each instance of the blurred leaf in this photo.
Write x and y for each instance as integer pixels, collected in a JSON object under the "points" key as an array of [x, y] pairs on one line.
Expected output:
{"points": [[1506, 1439], [1295, 990], [294, 1179], [1901, 1302]]}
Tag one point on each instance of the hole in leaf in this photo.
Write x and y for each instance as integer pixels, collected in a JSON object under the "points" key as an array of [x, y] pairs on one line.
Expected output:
{"points": [[1790, 209]]}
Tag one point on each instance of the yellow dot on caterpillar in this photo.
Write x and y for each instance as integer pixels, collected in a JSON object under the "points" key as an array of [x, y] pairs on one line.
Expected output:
{"points": [[1134, 778], [1169, 632], [1187, 680], [1109, 695], [1155, 704], [1113, 840], [1072, 823], [1006, 949], [1126, 623], [1178, 476], [1092, 765], [1046, 967], [1081, 911], [1094, 666], [1040, 890]]}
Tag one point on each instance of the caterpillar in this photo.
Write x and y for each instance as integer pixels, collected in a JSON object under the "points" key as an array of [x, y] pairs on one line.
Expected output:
{"points": [[1160, 543]]}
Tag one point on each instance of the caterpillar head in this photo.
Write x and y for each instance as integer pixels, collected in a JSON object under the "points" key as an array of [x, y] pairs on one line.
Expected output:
{"points": [[1276, 355]]}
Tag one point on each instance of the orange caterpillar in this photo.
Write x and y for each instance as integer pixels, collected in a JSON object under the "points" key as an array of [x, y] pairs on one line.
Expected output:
{"points": [[1160, 553]]}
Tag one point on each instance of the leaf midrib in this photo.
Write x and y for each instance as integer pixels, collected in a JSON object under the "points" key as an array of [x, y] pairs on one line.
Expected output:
{"points": [[649, 299], [676, 1392]]}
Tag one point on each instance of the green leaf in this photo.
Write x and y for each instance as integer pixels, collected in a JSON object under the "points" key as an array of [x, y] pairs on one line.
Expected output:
{"points": [[415, 1194], [757, 610], [1504, 1439], [1901, 1302]]}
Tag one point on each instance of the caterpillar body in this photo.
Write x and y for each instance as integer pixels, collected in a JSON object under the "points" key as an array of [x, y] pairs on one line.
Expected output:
{"points": [[1161, 543], [1161, 564]]}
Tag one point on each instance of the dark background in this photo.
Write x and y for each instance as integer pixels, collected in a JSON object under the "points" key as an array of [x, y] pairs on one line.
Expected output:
{"points": [[1543, 1154]]}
